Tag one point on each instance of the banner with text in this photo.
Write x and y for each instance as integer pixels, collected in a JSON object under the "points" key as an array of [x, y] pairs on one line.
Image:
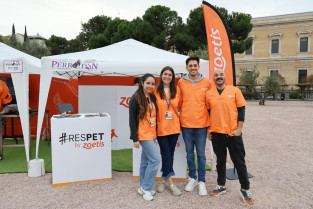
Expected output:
{"points": [[219, 43]]}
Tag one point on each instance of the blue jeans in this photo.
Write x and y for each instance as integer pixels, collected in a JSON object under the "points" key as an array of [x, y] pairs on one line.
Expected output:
{"points": [[149, 164], [167, 147], [195, 137]]}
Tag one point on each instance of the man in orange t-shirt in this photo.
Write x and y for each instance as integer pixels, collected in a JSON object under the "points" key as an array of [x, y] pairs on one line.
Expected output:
{"points": [[227, 109], [194, 120]]}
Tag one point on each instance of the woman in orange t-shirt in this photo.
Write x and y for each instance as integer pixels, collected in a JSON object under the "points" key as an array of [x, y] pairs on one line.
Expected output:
{"points": [[142, 123], [168, 126]]}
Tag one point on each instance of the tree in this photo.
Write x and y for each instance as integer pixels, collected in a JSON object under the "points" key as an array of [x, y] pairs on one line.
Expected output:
{"points": [[248, 78], [96, 41], [111, 29], [163, 20], [272, 85], [201, 52], [182, 43], [25, 35], [13, 41], [196, 26], [34, 49], [123, 32], [74, 45], [238, 24], [94, 26], [56, 44]]}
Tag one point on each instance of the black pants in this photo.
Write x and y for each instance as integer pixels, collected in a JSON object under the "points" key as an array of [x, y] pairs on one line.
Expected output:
{"points": [[237, 154]]}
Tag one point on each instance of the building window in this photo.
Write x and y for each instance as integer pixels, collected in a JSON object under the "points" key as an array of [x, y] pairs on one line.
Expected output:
{"points": [[273, 72], [302, 74], [275, 43], [304, 41], [275, 46], [304, 44], [250, 50]]}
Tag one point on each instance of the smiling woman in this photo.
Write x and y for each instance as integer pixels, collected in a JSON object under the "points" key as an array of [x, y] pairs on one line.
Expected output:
{"points": [[142, 123]]}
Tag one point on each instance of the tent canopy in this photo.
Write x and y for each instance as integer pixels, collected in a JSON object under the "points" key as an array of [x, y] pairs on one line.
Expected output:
{"points": [[126, 58], [30, 64]]}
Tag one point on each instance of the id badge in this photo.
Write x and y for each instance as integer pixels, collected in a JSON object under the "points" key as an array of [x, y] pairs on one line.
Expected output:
{"points": [[152, 122], [168, 115]]}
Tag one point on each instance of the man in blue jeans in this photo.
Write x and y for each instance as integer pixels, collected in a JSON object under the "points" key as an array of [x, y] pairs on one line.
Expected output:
{"points": [[195, 121]]}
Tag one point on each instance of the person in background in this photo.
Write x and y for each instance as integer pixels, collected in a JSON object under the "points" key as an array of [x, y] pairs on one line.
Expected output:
{"points": [[142, 123], [167, 98], [194, 119], [5, 96], [227, 112], [136, 81]]}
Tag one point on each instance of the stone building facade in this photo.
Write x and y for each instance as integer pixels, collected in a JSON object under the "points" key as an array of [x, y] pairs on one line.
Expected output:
{"points": [[281, 44]]}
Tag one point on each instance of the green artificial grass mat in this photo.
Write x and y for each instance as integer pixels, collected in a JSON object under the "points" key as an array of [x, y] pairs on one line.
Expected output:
{"points": [[14, 158]]}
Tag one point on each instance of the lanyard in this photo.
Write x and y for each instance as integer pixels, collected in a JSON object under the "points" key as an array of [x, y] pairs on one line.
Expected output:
{"points": [[169, 101], [150, 108]]}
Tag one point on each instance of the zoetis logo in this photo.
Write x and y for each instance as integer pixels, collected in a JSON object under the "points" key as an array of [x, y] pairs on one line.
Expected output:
{"points": [[125, 101], [90, 140], [219, 60]]}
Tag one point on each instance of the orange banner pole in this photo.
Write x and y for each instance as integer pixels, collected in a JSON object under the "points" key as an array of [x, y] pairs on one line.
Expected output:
{"points": [[220, 50]]}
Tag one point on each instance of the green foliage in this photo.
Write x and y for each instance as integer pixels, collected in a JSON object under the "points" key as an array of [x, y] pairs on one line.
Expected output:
{"points": [[200, 52], [272, 85], [249, 78], [238, 24], [25, 34], [74, 45], [196, 27], [56, 44], [111, 29], [13, 42], [123, 32], [239, 27], [96, 41], [250, 95], [163, 20], [35, 49], [294, 95], [94, 26]]}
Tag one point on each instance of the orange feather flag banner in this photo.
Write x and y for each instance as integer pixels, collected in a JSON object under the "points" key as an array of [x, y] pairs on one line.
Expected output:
{"points": [[220, 50]]}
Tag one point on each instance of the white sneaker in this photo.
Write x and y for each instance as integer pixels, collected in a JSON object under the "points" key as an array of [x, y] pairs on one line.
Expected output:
{"points": [[141, 191], [192, 183], [174, 190], [202, 189], [162, 186], [147, 196]]}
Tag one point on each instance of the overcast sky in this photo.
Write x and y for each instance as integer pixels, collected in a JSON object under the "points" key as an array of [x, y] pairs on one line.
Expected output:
{"points": [[64, 17]]}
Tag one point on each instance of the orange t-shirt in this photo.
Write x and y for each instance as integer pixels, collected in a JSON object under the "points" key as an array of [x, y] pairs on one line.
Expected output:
{"points": [[223, 109], [145, 130], [167, 126], [194, 113], [5, 96]]}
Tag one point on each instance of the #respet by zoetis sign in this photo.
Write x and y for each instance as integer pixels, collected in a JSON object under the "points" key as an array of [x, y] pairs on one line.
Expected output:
{"points": [[73, 64], [12, 66], [83, 140]]}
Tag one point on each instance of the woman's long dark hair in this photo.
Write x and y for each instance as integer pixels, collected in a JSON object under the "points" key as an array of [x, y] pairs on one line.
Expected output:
{"points": [[140, 95], [173, 88]]}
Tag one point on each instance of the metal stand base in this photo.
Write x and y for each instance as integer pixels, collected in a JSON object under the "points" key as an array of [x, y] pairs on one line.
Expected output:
{"points": [[231, 174]]}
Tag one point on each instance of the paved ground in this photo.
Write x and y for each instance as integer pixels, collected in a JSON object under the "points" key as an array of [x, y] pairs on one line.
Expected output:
{"points": [[279, 152]]}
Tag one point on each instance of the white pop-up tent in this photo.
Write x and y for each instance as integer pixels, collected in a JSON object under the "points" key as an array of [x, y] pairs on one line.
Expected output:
{"points": [[20, 80], [126, 58]]}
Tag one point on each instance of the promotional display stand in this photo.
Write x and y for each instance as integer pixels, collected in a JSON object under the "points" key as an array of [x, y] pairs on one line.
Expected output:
{"points": [[180, 161], [81, 148]]}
